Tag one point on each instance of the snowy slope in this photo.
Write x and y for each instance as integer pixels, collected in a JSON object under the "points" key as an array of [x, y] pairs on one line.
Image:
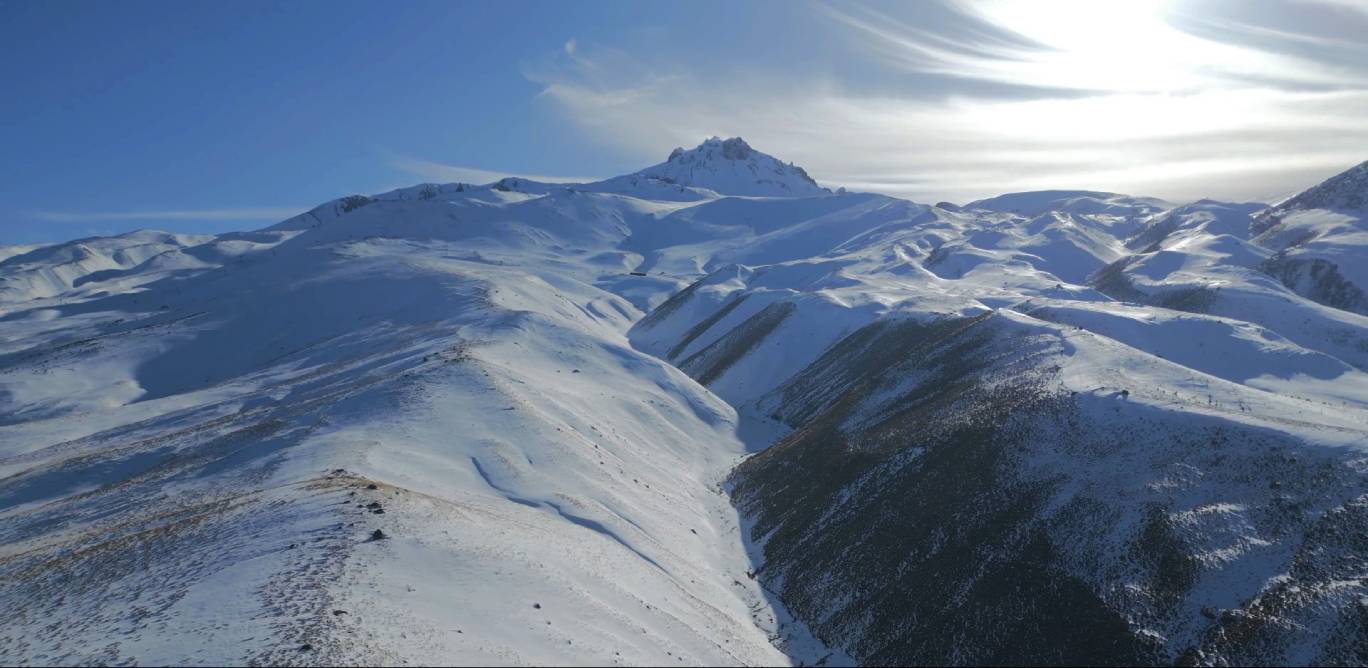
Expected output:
{"points": [[1120, 214], [1050, 495], [1318, 237], [1066, 426], [1047, 428], [199, 447], [7, 252], [45, 271]]}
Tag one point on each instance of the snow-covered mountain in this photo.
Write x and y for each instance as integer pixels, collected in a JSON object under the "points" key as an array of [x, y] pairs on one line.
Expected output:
{"points": [[51, 270], [1318, 237], [501, 424], [1069, 434], [716, 167]]}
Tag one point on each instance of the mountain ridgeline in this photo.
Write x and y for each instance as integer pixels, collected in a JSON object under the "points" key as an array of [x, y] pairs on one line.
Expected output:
{"points": [[708, 412]]}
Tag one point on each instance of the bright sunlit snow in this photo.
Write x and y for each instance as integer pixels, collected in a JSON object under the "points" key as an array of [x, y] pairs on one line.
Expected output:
{"points": [[493, 423]]}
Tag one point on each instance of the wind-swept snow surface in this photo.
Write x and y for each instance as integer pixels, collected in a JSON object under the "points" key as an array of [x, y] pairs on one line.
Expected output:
{"points": [[499, 423]]}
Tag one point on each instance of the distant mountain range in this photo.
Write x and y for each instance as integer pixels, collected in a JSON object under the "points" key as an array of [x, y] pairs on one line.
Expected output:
{"points": [[706, 413]]}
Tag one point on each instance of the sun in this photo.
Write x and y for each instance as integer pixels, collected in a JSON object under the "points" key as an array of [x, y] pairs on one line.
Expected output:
{"points": [[1101, 44]]}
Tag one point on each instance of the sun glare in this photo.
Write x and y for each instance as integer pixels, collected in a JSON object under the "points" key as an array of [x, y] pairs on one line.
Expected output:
{"points": [[1102, 45]]}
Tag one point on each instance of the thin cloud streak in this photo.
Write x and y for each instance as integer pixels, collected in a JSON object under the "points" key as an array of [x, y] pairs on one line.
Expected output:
{"points": [[1360, 6], [1083, 45], [444, 173]]}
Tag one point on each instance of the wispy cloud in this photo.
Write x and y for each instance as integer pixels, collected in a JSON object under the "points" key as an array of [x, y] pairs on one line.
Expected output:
{"points": [[1174, 114], [1083, 45], [444, 173], [246, 214], [1350, 5]]}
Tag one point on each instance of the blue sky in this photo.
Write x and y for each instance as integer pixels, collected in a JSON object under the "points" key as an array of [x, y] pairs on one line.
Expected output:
{"points": [[199, 116]]}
